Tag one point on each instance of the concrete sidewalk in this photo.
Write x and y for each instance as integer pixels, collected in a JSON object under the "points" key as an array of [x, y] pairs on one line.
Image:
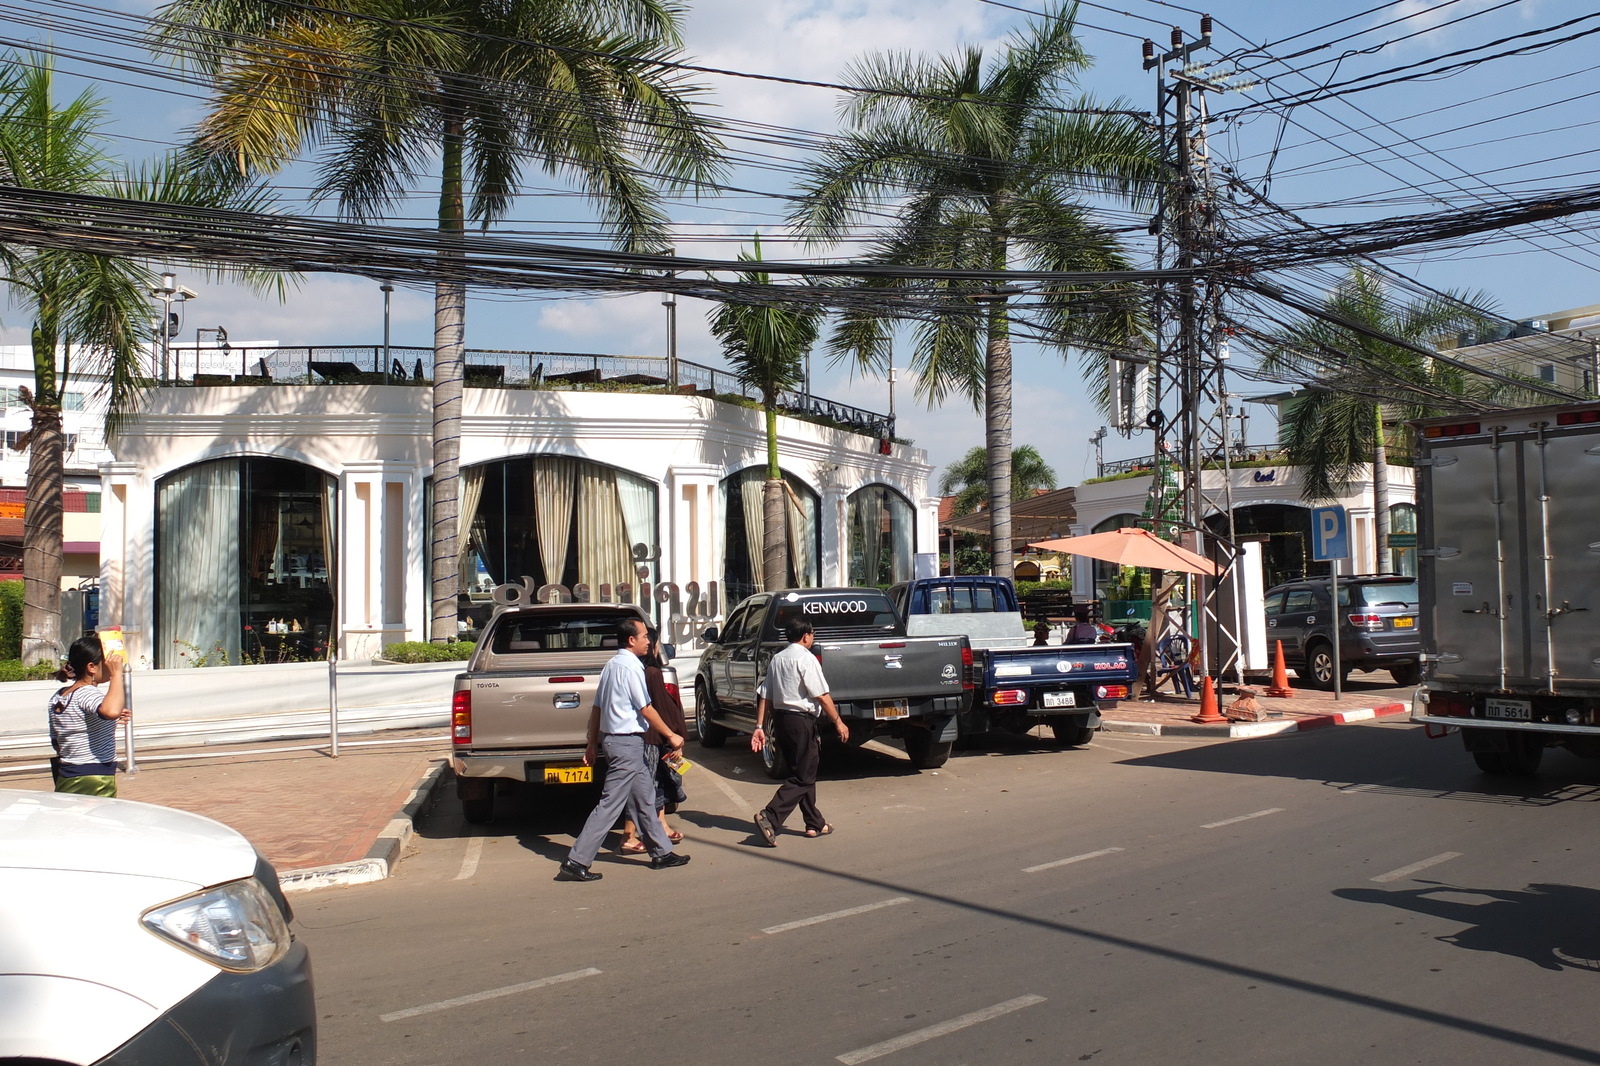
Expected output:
{"points": [[1168, 715]]}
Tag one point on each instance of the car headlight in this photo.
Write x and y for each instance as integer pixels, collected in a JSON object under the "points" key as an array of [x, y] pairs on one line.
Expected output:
{"points": [[236, 926]]}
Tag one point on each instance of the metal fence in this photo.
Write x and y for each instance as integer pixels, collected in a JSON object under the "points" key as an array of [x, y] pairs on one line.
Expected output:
{"points": [[1237, 453], [490, 368]]}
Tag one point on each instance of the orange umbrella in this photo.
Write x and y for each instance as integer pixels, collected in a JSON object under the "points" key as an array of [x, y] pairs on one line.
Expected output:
{"points": [[1132, 547]]}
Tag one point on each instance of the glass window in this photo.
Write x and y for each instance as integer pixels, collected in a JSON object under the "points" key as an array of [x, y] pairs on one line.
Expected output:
{"points": [[576, 629], [742, 501], [244, 551], [1274, 603], [72, 401], [836, 613], [882, 540], [1299, 600], [1389, 593]]}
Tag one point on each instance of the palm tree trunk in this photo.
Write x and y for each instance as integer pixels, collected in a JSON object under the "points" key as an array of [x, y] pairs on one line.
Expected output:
{"points": [[1380, 497], [41, 514], [774, 534], [449, 344], [997, 435]]}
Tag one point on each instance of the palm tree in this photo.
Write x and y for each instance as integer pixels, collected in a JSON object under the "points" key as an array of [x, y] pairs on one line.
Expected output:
{"points": [[765, 343], [89, 312], [1365, 388], [391, 91], [978, 166], [968, 477]]}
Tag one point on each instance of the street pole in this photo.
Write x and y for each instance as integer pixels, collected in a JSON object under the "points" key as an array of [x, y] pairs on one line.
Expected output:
{"points": [[386, 289], [669, 300]]}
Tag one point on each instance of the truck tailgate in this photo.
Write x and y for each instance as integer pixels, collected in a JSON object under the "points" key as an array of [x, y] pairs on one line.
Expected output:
{"points": [[538, 708], [897, 668], [1077, 663]]}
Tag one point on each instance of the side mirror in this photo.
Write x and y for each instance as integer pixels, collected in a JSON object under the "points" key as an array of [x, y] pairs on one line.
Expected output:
{"points": [[709, 634], [670, 651]]}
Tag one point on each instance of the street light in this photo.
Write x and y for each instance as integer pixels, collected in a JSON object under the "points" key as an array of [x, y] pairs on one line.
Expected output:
{"points": [[170, 292], [669, 300]]}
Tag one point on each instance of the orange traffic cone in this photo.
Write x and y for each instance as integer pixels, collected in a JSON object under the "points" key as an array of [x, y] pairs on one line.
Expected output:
{"points": [[1208, 704], [1280, 676]]}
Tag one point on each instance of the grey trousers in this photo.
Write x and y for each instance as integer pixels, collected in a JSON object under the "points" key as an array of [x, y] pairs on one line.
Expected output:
{"points": [[631, 786]]}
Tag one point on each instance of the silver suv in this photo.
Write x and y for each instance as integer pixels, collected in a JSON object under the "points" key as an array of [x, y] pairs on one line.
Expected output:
{"points": [[1378, 627]]}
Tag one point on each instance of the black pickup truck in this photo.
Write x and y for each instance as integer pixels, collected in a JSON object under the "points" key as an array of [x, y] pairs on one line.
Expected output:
{"points": [[883, 682]]}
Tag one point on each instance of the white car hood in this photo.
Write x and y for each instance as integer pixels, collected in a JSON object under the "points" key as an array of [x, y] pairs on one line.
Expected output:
{"points": [[48, 831]]}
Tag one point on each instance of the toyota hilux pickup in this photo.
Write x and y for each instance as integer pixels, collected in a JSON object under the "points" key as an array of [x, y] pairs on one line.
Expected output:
{"points": [[883, 682], [520, 713], [1018, 684]]}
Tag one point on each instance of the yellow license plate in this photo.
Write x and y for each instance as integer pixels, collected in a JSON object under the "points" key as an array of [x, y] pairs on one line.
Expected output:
{"points": [[1404, 623], [882, 709], [568, 775]]}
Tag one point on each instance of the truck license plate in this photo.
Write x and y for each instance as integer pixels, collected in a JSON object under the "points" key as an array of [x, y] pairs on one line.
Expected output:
{"points": [[1060, 699], [1404, 623], [1512, 710], [883, 709], [568, 775]]}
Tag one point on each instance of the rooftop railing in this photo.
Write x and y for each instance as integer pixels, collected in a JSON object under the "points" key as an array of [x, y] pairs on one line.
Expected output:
{"points": [[491, 368], [1237, 453]]}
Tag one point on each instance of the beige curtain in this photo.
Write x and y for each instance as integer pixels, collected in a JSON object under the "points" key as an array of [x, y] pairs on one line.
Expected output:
{"points": [[605, 556], [751, 486], [467, 510], [802, 515], [555, 483]]}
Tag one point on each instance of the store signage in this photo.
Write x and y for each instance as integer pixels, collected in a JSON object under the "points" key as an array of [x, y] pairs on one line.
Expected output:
{"points": [[1263, 476], [688, 609]]}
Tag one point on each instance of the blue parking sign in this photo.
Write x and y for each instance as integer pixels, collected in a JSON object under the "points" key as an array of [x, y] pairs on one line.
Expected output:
{"points": [[1330, 534]]}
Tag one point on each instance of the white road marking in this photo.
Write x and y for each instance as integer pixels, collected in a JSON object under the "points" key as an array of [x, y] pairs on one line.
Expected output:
{"points": [[493, 993], [1066, 862], [922, 1036], [738, 801], [1407, 871], [863, 909], [469, 861], [1242, 818]]}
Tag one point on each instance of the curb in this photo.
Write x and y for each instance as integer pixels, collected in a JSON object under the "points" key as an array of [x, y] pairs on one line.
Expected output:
{"points": [[385, 852], [1249, 730]]}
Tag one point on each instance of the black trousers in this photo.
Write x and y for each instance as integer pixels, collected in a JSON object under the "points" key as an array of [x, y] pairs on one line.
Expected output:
{"points": [[798, 739]]}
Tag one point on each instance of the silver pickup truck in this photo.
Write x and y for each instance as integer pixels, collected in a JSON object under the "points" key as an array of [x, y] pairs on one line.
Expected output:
{"points": [[520, 712], [883, 682]]}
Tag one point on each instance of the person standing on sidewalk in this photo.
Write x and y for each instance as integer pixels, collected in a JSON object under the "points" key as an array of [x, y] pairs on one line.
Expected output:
{"points": [[83, 721], [796, 694], [618, 722]]}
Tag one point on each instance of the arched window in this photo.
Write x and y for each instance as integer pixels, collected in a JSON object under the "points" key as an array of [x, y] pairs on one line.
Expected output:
{"points": [[742, 502], [882, 537], [1403, 530], [1117, 583], [245, 553], [558, 520]]}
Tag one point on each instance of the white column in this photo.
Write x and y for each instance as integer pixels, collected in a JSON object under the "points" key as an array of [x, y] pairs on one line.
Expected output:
{"points": [[927, 540], [375, 552], [692, 549], [127, 557]]}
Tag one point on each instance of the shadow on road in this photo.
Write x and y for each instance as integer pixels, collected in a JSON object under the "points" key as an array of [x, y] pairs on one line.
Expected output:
{"points": [[1552, 926]]}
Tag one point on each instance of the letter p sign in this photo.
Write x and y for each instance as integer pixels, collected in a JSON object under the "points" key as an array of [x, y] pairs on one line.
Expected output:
{"points": [[1330, 535]]}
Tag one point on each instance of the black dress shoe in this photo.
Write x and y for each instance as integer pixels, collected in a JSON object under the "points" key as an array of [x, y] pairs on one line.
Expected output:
{"points": [[571, 871], [669, 860]]}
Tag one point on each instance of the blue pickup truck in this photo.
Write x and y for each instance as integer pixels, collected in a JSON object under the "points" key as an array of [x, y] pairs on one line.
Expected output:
{"points": [[1018, 685]]}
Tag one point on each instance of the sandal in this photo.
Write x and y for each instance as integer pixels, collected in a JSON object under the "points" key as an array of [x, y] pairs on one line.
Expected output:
{"points": [[675, 836], [824, 831], [633, 847]]}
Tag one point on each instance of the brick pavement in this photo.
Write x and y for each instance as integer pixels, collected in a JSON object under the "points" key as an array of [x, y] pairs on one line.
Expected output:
{"points": [[301, 809], [1306, 708]]}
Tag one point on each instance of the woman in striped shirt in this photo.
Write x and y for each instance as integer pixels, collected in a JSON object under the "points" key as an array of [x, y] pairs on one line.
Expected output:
{"points": [[83, 721]]}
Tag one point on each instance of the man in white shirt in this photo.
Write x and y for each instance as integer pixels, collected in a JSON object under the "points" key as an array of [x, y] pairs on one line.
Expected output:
{"points": [[621, 717], [796, 693]]}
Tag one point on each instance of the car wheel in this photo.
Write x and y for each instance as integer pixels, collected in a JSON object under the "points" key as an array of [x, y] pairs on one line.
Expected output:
{"points": [[712, 735], [1408, 675], [1490, 762], [927, 753], [1071, 735], [772, 759], [477, 801], [1319, 666]]}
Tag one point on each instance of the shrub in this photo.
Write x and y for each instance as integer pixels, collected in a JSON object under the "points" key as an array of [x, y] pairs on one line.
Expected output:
{"points": [[13, 670], [421, 651], [10, 620]]}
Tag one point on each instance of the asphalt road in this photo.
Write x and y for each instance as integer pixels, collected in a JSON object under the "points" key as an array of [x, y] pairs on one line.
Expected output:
{"points": [[1358, 894]]}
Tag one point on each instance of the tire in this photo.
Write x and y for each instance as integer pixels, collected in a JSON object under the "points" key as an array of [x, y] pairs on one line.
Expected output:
{"points": [[1071, 735], [772, 760], [712, 735], [1522, 760], [1408, 675], [477, 800], [927, 753], [1490, 762], [1319, 667]]}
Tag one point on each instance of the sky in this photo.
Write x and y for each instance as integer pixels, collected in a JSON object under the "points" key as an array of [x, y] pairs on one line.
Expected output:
{"points": [[1516, 124]]}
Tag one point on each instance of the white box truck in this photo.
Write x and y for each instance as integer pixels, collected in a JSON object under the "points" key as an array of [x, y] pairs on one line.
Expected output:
{"points": [[1508, 526]]}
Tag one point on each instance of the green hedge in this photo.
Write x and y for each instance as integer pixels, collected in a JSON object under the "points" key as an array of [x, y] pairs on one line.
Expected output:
{"points": [[1025, 587], [10, 620], [418, 651], [13, 670]]}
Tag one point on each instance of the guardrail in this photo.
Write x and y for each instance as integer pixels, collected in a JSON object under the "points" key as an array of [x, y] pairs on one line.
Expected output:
{"points": [[493, 368]]}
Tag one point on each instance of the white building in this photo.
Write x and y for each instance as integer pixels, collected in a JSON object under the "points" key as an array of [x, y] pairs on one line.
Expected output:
{"points": [[262, 517]]}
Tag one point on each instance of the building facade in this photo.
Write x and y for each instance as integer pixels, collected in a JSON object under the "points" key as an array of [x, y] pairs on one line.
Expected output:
{"points": [[262, 521]]}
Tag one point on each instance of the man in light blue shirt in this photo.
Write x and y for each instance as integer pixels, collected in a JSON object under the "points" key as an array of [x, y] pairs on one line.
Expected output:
{"points": [[619, 722]]}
